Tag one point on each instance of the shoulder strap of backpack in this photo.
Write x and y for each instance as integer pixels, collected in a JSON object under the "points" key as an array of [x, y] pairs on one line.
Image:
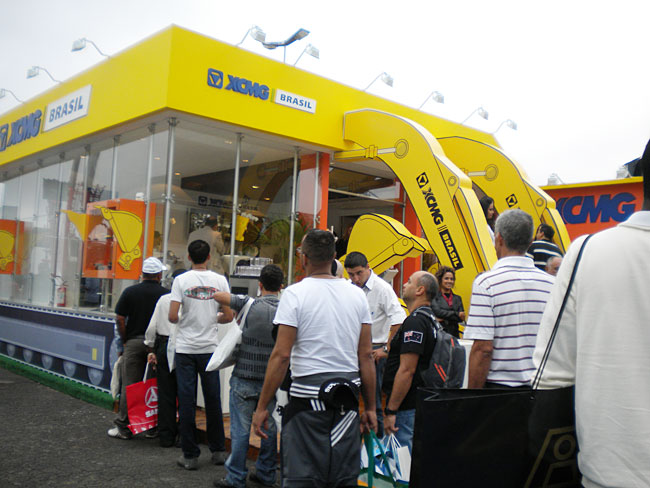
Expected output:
{"points": [[428, 312]]}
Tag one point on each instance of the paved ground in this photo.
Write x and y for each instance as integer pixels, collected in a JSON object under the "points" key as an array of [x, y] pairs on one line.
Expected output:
{"points": [[51, 439]]}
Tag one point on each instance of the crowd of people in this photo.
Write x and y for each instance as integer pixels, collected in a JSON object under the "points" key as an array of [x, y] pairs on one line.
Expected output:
{"points": [[343, 340]]}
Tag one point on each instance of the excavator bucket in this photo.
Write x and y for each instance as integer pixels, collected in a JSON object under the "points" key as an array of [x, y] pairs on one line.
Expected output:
{"points": [[6, 249], [441, 194], [127, 228], [505, 181], [384, 241]]}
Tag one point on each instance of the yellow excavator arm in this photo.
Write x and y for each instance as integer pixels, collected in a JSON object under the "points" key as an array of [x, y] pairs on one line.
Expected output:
{"points": [[441, 194], [505, 181]]}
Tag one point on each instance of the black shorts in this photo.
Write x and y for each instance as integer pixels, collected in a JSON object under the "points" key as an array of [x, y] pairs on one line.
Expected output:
{"points": [[319, 448]]}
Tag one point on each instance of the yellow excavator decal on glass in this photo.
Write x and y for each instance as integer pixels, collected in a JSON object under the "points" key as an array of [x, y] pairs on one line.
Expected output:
{"points": [[127, 228], [78, 219], [441, 194], [7, 241]]}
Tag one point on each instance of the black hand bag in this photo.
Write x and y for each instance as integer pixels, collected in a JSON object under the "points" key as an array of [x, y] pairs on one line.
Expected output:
{"points": [[497, 437]]}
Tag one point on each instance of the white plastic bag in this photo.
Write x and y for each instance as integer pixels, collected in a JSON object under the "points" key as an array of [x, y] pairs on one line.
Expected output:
{"points": [[224, 355], [116, 379]]}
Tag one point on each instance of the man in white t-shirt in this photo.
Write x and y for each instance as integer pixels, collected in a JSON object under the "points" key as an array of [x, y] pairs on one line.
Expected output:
{"points": [[324, 330], [196, 340], [387, 316]]}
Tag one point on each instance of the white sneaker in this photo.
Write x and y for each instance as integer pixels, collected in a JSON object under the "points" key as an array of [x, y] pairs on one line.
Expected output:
{"points": [[115, 433]]}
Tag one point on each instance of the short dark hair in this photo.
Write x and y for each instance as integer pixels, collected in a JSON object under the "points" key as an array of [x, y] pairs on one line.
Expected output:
{"points": [[319, 246], [645, 168], [199, 251], [516, 228], [271, 277], [430, 284], [211, 222], [547, 230], [150, 276], [355, 259], [442, 270]]}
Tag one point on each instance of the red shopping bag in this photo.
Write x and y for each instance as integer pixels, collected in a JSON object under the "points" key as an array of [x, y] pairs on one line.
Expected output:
{"points": [[142, 404]]}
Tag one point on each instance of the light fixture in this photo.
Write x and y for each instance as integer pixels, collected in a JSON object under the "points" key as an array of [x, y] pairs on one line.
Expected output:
{"points": [[35, 70], [256, 33], [255, 187], [4, 91], [508, 123], [267, 198], [244, 160], [80, 44], [299, 34], [436, 96], [311, 50], [385, 77], [481, 113]]}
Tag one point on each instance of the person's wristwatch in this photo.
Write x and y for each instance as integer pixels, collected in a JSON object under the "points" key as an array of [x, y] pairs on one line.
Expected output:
{"points": [[388, 411], [385, 348]]}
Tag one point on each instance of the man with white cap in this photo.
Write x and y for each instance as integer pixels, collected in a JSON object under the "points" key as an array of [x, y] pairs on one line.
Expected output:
{"points": [[132, 314]]}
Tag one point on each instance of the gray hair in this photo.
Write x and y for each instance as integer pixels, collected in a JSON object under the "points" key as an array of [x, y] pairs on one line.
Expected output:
{"points": [[516, 228], [430, 284]]}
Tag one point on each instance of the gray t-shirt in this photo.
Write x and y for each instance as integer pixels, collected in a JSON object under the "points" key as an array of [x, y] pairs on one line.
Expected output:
{"points": [[257, 341]]}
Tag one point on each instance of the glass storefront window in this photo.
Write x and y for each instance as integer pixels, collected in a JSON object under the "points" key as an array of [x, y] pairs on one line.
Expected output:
{"points": [[71, 212], [9, 257], [72, 228]]}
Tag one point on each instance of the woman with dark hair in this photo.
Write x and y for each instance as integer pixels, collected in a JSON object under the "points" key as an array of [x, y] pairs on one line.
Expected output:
{"points": [[487, 204], [447, 307]]}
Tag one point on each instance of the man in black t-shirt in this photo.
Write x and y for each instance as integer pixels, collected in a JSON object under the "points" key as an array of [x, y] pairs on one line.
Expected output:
{"points": [[132, 314], [410, 352]]}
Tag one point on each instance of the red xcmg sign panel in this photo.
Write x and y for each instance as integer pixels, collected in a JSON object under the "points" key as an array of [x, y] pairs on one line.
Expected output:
{"points": [[590, 208]]}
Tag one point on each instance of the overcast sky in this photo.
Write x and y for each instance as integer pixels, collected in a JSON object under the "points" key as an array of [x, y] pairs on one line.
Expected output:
{"points": [[574, 75]]}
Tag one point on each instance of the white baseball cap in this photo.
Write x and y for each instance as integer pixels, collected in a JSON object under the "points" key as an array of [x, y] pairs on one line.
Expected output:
{"points": [[153, 266]]}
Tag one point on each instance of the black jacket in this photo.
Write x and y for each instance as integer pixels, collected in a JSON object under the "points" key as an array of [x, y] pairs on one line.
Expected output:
{"points": [[448, 316]]}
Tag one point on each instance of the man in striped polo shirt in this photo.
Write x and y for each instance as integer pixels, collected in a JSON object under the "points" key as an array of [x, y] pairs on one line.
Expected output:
{"points": [[506, 308], [543, 248]]}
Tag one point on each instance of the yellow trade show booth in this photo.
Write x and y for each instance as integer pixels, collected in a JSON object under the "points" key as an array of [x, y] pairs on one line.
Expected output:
{"points": [[126, 159]]}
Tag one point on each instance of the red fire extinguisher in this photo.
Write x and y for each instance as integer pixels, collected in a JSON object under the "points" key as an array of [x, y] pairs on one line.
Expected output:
{"points": [[61, 293]]}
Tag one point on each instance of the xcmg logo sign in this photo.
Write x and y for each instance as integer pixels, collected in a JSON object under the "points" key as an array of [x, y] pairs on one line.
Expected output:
{"points": [[217, 79], [443, 231], [20, 130], [586, 209]]}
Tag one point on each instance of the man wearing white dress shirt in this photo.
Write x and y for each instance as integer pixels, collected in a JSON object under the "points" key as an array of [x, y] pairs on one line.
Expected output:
{"points": [[386, 312]]}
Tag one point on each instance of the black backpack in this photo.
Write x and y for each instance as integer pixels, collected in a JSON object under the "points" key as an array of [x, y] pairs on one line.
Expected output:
{"points": [[447, 364]]}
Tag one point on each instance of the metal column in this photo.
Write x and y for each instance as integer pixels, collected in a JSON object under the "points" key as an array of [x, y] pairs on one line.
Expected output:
{"points": [[235, 204], [292, 218], [168, 192], [147, 192]]}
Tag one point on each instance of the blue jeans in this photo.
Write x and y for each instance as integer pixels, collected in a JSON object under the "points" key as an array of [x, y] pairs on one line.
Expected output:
{"points": [[404, 421], [243, 401], [187, 367]]}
